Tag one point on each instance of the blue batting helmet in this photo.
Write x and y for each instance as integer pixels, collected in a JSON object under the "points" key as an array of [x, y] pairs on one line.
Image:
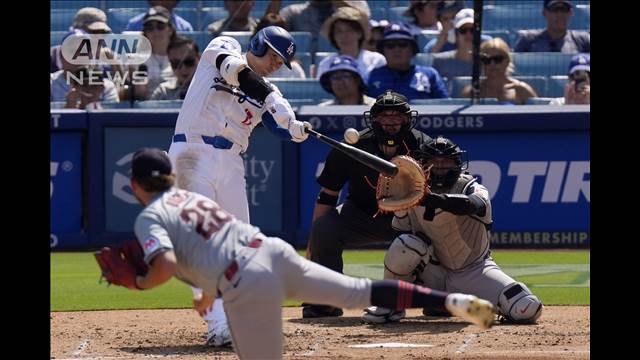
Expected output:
{"points": [[278, 39]]}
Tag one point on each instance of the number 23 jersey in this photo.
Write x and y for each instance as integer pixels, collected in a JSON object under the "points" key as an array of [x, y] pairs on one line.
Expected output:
{"points": [[204, 237]]}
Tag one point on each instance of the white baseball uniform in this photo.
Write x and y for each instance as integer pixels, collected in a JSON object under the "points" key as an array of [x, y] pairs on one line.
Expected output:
{"points": [[211, 134], [252, 272]]}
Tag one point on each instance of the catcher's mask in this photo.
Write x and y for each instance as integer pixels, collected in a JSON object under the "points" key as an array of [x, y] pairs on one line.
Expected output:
{"points": [[443, 148], [390, 104]]}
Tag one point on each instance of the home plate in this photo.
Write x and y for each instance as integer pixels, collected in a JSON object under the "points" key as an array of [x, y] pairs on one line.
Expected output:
{"points": [[391, 345]]}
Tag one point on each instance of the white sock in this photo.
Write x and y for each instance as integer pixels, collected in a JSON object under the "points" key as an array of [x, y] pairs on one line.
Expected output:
{"points": [[216, 316]]}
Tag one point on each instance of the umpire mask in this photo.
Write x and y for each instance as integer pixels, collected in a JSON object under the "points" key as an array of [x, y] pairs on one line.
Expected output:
{"points": [[390, 118], [433, 150]]}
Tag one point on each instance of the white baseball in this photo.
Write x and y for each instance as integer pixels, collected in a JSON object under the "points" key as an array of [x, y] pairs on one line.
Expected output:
{"points": [[351, 136]]}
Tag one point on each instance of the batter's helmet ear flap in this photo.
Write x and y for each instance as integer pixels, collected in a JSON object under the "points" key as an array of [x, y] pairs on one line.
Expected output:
{"points": [[257, 46]]}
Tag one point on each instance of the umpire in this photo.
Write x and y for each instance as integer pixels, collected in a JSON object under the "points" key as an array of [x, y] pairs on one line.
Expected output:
{"points": [[390, 133]]}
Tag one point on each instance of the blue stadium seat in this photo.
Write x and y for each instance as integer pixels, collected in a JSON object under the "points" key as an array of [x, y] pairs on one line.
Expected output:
{"points": [[202, 38], [324, 45], [545, 64], [118, 18], [61, 19], [302, 89], [538, 83], [457, 84], [556, 84], [76, 5], [514, 18], [539, 101], [581, 17], [506, 35], [109, 4], [303, 41], [424, 38], [209, 15], [192, 15], [394, 14], [423, 59], [57, 104], [305, 62], [158, 104], [116, 105], [243, 38], [56, 37], [378, 11]]}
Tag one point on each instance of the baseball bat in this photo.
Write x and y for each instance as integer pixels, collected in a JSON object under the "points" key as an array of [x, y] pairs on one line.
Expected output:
{"points": [[378, 164]]}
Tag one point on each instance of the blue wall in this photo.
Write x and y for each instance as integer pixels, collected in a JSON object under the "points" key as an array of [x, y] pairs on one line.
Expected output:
{"points": [[533, 159]]}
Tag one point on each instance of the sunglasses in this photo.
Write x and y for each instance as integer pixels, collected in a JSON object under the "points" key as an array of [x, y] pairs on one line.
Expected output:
{"points": [[158, 26], [488, 59], [393, 45], [463, 31], [188, 62]]}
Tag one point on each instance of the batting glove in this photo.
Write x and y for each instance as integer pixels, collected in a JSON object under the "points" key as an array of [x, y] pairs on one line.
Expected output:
{"points": [[280, 110]]}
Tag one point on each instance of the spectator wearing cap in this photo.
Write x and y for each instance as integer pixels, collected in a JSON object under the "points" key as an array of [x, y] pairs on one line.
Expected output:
{"points": [[342, 79], [376, 32], [556, 37], [424, 14], [309, 16], [446, 13], [160, 32], [347, 29], [81, 87], [296, 71], [458, 62], [239, 18], [497, 65], [463, 30], [413, 81], [184, 56], [136, 23], [89, 20], [578, 90]]}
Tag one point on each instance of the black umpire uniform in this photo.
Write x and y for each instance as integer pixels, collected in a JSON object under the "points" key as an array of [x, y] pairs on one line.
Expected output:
{"points": [[352, 223]]}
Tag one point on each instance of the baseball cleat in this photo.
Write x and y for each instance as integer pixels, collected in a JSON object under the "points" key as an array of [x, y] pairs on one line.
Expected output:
{"points": [[471, 308], [319, 311], [219, 336], [380, 315]]}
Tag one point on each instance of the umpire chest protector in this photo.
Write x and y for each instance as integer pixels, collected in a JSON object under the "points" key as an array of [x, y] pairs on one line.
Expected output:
{"points": [[457, 240]]}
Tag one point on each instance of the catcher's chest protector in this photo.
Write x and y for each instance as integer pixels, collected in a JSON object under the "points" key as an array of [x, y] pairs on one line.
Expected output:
{"points": [[457, 240]]}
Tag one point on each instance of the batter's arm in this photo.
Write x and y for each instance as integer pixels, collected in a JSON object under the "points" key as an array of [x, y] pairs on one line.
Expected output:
{"points": [[161, 268]]}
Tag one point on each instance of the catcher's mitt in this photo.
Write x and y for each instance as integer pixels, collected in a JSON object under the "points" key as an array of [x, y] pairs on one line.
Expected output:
{"points": [[406, 189], [120, 264]]}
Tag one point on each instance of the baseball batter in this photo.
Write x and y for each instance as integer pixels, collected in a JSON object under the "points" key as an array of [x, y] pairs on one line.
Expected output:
{"points": [[227, 98], [445, 241], [187, 235]]}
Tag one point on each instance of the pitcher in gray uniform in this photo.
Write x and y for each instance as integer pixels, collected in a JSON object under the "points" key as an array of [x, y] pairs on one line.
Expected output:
{"points": [[445, 241], [187, 235]]}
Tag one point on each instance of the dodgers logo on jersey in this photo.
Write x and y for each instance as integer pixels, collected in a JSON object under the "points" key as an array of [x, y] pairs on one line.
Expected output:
{"points": [[150, 245]]}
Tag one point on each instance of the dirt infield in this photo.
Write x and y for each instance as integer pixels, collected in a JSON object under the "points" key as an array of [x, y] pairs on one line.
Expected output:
{"points": [[562, 333]]}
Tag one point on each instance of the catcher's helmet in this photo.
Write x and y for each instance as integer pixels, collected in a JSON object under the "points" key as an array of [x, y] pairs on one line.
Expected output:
{"points": [[442, 147], [390, 100], [278, 39]]}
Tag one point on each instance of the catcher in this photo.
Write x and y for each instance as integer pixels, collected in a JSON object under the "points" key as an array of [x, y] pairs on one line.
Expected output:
{"points": [[390, 133], [187, 235], [444, 241]]}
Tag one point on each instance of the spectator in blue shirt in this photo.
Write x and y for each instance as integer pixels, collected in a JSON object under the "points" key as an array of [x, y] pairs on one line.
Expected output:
{"points": [[136, 23], [412, 81], [556, 37]]}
